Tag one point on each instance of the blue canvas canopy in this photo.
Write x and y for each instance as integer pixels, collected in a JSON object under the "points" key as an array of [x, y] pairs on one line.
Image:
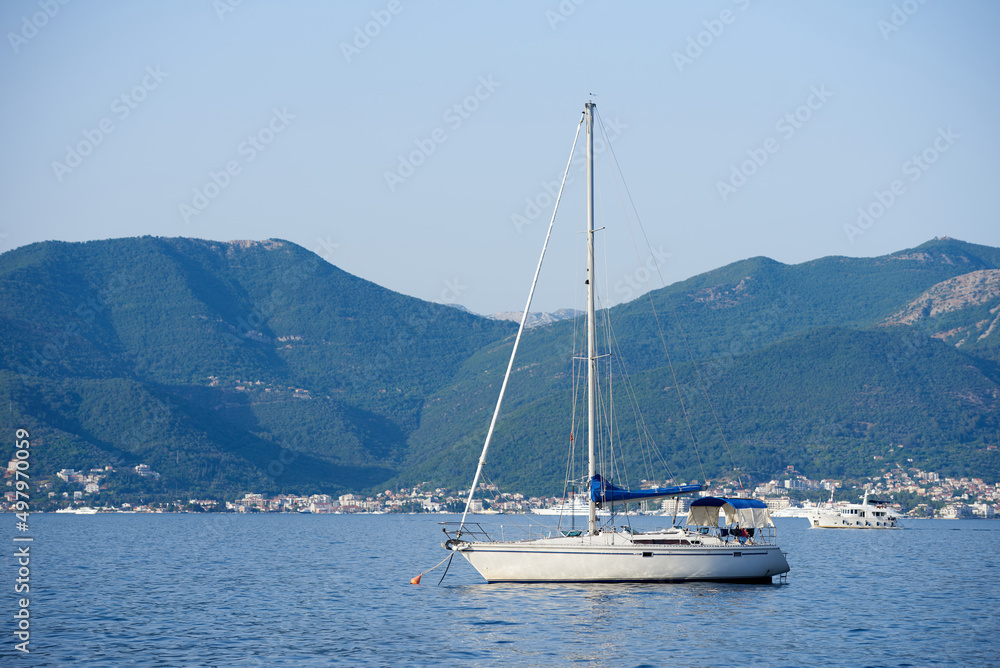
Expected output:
{"points": [[602, 491], [744, 512]]}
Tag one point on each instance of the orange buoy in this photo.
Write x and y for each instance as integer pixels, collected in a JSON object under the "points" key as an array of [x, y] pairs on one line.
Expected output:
{"points": [[416, 580]]}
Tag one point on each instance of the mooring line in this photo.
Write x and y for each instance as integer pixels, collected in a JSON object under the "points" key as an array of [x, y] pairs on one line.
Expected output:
{"points": [[416, 580]]}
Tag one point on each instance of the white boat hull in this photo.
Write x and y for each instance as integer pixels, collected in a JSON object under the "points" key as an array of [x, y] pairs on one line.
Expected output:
{"points": [[576, 512], [837, 521], [805, 513], [862, 515], [601, 559]]}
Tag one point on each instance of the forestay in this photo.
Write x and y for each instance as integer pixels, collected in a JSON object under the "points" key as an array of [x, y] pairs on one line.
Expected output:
{"points": [[745, 513]]}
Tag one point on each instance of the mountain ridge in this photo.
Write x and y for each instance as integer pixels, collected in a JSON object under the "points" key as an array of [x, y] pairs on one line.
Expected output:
{"points": [[179, 323], [258, 366]]}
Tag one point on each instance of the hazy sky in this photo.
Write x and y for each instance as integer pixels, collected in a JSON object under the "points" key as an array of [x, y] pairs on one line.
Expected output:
{"points": [[410, 143]]}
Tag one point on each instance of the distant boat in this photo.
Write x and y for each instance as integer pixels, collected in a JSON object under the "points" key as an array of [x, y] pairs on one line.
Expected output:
{"points": [[84, 510], [577, 507], [865, 515], [727, 540], [807, 511]]}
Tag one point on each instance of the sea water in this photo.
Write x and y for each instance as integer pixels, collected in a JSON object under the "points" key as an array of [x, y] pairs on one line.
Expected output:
{"points": [[317, 590]]}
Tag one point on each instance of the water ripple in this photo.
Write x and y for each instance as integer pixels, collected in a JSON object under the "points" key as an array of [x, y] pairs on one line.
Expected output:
{"points": [[313, 590]]}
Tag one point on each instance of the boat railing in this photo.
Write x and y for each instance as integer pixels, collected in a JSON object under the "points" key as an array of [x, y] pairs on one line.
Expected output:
{"points": [[475, 532], [766, 536], [748, 536], [472, 531]]}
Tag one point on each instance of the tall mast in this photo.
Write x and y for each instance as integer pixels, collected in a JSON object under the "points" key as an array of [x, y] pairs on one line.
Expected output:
{"points": [[591, 324]]}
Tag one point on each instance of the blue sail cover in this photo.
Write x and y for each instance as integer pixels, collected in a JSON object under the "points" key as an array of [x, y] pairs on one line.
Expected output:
{"points": [[602, 491], [739, 504]]}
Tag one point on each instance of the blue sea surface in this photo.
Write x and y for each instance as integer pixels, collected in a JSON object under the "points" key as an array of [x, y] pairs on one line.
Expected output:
{"points": [[318, 590]]}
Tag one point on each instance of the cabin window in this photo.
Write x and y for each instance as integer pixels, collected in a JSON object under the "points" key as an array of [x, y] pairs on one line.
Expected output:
{"points": [[647, 554]]}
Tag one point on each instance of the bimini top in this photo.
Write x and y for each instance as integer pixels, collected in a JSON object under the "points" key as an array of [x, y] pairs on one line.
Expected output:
{"points": [[602, 491], [746, 513]]}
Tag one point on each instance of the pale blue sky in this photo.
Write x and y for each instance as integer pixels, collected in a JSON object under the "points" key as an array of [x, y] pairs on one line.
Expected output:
{"points": [[329, 126]]}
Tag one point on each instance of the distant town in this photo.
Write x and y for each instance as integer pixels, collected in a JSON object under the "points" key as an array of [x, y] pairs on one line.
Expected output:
{"points": [[911, 491]]}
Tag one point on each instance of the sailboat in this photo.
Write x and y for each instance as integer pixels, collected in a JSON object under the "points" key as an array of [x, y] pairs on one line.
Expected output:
{"points": [[729, 540]]}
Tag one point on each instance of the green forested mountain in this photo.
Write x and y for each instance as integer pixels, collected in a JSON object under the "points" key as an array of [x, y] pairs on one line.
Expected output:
{"points": [[257, 366], [224, 366], [790, 358]]}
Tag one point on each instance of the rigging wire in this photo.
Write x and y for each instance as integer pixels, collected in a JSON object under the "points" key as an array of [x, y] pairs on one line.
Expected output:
{"points": [[613, 461], [612, 338], [520, 331], [618, 460], [513, 518], [684, 409], [615, 353], [612, 458], [606, 405], [642, 429], [574, 381]]}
